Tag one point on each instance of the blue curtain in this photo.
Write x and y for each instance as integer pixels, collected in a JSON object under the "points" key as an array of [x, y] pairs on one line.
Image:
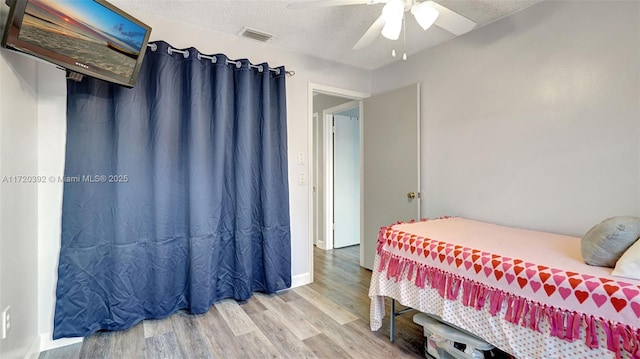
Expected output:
{"points": [[175, 194]]}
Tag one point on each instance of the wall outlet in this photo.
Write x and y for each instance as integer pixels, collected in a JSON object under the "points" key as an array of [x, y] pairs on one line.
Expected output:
{"points": [[5, 323]]}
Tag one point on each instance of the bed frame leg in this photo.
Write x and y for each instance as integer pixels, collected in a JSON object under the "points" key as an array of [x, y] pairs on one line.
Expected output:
{"points": [[392, 322]]}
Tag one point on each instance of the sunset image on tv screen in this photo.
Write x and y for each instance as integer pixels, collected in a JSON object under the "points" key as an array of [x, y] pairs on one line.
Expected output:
{"points": [[84, 30]]}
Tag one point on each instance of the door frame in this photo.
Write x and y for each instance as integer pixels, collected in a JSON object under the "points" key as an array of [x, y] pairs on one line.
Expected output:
{"points": [[327, 149], [332, 91]]}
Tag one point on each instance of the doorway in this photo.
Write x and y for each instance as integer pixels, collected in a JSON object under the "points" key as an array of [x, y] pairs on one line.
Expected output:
{"points": [[326, 105], [341, 181]]}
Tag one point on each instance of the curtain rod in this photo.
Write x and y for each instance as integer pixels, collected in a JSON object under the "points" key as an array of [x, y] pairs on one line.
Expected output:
{"points": [[214, 59]]}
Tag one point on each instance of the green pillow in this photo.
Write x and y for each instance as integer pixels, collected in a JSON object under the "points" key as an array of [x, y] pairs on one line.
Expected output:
{"points": [[605, 243]]}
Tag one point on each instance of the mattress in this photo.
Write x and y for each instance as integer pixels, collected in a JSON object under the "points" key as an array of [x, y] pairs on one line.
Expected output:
{"points": [[504, 283]]}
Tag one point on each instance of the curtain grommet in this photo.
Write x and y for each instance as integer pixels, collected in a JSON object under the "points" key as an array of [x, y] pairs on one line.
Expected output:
{"points": [[185, 53]]}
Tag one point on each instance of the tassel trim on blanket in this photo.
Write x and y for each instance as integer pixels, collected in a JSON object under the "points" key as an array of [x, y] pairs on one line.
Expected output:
{"points": [[563, 324]]}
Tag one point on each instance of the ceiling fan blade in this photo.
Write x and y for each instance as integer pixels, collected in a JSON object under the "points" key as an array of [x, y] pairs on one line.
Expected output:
{"points": [[451, 20], [324, 3], [371, 34]]}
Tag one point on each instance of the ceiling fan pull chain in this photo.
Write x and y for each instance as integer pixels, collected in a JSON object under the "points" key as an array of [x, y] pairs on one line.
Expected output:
{"points": [[404, 38]]}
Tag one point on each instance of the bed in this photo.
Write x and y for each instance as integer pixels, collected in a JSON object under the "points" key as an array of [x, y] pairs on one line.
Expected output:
{"points": [[527, 292]]}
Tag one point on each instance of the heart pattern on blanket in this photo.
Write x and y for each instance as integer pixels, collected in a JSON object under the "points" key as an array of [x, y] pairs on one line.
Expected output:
{"points": [[599, 299], [636, 308], [530, 273], [509, 277], [581, 295], [544, 276], [574, 282], [558, 279], [591, 285], [522, 282], [518, 269], [564, 292], [610, 289], [477, 267], [549, 288], [535, 285], [618, 303], [630, 293]]}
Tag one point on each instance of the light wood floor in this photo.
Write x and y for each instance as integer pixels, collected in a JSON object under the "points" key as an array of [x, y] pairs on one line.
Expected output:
{"points": [[326, 319]]}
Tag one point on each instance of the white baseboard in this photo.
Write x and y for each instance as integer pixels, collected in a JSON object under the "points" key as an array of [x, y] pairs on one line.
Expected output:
{"points": [[46, 343], [300, 280], [34, 349]]}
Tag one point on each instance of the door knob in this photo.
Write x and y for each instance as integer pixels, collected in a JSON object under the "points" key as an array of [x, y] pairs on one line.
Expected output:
{"points": [[411, 195]]}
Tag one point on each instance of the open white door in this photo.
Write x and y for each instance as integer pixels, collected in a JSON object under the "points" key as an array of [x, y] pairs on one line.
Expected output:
{"points": [[391, 164], [346, 181]]}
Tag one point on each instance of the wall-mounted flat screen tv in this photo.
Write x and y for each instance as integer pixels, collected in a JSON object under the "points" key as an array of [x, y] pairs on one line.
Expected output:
{"points": [[89, 37]]}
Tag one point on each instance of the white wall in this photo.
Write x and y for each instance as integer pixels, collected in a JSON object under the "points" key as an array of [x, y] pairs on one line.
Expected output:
{"points": [[532, 121], [18, 203], [51, 105], [52, 96]]}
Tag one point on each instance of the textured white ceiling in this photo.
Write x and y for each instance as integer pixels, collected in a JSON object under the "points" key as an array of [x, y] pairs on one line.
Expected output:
{"points": [[328, 33]]}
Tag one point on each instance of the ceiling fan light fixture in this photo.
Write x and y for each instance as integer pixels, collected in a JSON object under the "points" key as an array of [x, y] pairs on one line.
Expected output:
{"points": [[392, 14], [391, 30], [392, 11], [425, 14]]}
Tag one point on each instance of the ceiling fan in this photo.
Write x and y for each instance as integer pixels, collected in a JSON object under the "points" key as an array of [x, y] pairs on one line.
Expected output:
{"points": [[389, 23]]}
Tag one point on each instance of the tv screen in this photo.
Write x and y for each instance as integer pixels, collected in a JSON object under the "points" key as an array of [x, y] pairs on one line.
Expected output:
{"points": [[90, 37]]}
